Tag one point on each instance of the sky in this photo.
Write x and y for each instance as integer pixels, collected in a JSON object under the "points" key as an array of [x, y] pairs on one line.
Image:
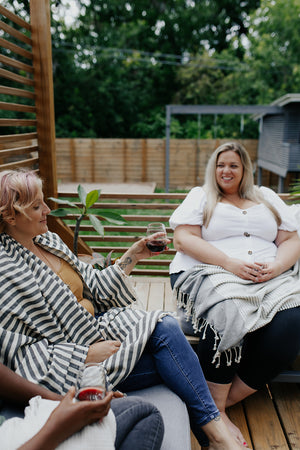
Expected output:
{"points": [[69, 10]]}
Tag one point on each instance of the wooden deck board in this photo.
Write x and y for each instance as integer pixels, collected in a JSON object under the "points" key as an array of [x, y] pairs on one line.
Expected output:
{"points": [[286, 399], [269, 419], [264, 425]]}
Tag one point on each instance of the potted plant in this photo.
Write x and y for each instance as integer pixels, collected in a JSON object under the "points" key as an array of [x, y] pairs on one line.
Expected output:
{"points": [[87, 200]]}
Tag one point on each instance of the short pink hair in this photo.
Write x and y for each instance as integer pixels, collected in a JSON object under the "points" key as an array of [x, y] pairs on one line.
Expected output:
{"points": [[18, 190]]}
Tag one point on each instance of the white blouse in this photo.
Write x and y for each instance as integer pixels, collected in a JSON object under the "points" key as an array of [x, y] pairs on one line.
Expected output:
{"points": [[247, 234]]}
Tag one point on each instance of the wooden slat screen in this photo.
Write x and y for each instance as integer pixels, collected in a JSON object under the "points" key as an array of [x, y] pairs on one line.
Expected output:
{"points": [[27, 127], [18, 134]]}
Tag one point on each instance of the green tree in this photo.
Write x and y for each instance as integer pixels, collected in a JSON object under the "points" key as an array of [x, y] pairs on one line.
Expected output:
{"points": [[274, 49], [127, 55], [115, 67]]}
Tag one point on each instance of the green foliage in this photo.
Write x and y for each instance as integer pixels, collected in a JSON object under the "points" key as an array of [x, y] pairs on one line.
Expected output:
{"points": [[87, 200], [127, 55], [295, 191], [120, 62]]}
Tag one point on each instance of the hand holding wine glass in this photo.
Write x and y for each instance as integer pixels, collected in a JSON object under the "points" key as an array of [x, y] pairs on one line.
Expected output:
{"points": [[91, 383], [157, 237]]}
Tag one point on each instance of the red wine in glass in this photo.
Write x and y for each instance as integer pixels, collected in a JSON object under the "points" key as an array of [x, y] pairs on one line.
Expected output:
{"points": [[158, 242], [91, 382], [156, 246], [90, 393]]}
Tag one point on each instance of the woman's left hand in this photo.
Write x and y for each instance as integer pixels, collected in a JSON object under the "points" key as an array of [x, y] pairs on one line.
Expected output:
{"points": [[268, 271], [138, 251]]}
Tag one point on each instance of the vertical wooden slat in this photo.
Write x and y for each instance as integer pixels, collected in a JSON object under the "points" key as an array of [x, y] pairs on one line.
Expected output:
{"points": [[42, 61], [93, 159], [73, 159], [125, 156], [144, 159], [196, 169]]}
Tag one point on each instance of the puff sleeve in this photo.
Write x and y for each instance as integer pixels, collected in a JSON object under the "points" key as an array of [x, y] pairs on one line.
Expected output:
{"points": [[287, 213], [190, 211]]}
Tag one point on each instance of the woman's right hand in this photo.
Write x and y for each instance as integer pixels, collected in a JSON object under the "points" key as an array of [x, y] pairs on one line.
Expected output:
{"points": [[75, 416], [66, 419], [102, 350]]}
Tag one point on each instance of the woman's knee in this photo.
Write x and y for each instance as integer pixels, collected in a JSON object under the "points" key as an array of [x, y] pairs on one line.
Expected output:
{"points": [[168, 326], [281, 335], [134, 418]]}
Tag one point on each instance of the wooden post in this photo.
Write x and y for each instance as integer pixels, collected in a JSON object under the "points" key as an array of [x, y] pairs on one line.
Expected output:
{"points": [[43, 85]]}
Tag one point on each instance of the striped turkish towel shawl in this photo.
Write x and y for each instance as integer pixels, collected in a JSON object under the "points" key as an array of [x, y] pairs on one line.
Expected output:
{"points": [[45, 333], [231, 306]]}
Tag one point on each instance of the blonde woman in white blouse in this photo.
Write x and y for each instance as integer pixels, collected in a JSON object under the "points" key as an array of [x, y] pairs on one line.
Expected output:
{"points": [[235, 276]]}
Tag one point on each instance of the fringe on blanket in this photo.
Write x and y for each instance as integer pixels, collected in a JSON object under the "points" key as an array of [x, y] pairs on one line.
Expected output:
{"points": [[200, 326]]}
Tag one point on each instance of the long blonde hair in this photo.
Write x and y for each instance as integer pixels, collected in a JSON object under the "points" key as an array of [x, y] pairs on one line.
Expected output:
{"points": [[18, 190], [247, 189]]}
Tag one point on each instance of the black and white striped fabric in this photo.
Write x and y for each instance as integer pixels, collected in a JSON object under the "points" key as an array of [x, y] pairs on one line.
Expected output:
{"points": [[45, 333]]}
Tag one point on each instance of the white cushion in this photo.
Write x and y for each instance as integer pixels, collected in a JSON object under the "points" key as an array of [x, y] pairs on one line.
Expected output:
{"points": [[174, 413]]}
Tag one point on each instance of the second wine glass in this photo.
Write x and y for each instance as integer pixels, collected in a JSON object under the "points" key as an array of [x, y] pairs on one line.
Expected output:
{"points": [[91, 383]]}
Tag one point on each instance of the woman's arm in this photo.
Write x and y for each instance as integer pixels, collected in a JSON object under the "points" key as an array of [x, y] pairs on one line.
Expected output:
{"points": [[188, 240], [17, 389], [67, 419], [288, 253]]}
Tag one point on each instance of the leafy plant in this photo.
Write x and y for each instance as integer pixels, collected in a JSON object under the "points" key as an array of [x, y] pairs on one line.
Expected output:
{"points": [[87, 200], [294, 190]]}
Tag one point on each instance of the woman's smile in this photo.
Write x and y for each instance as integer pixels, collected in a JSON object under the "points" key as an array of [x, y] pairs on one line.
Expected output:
{"points": [[229, 171]]}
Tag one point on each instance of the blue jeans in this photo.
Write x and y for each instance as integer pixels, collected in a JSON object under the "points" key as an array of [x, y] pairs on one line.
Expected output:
{"points": [[170, 359], [139, 424]]}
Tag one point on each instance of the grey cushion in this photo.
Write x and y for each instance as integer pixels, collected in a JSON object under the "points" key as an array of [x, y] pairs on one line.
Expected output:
{"points": [[174, 413]]}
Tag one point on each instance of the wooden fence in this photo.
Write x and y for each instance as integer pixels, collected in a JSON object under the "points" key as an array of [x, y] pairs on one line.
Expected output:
{"points": [[137, 160]]}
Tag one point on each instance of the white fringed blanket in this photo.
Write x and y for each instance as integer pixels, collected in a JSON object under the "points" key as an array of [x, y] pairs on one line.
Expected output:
{"points": [[231, 306]]}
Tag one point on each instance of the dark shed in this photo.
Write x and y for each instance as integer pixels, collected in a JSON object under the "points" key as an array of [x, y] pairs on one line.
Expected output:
{"points": [[279, 140]]}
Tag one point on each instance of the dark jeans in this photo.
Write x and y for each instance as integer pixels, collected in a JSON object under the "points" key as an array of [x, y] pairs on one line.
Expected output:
{"points": [[265, 352]]}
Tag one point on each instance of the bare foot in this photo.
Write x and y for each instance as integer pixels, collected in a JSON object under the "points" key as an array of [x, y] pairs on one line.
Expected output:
{"points": [[229, 443], [234, 430], [102, 350], [226, 447], [219, 436]]}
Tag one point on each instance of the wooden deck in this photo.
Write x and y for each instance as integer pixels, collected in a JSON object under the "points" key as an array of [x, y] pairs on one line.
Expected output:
{"points": [[269, 419]]}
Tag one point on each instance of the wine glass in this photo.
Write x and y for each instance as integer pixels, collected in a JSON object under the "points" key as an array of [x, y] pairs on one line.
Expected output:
{"points": [[91, 382], [156, 243]]}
